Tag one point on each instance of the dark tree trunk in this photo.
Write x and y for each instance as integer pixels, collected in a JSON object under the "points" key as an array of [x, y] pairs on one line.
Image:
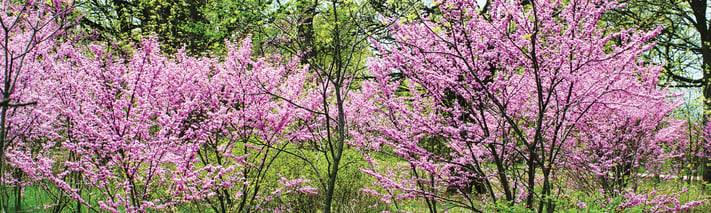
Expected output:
{"points": [[701, 24]]}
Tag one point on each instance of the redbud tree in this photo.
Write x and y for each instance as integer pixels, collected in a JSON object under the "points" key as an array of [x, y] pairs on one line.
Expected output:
{"points": [[123, 127], [131, 133], [26, 29], [503, 98], [144, 130]]}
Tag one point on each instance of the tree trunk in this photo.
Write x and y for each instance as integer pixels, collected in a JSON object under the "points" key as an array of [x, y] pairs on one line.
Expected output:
{"points": [[305, 26], [4, 198], [699, 9]]}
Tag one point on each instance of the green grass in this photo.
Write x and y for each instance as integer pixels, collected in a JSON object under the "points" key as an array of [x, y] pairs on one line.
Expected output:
{"points": [[349, 198]]}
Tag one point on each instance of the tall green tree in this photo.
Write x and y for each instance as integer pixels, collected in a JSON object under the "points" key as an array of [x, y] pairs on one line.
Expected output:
{"points": [[327, 38], [332, 38]]}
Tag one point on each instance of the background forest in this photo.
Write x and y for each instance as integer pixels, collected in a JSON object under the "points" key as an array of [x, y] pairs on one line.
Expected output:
{"points": [[355, 106]]}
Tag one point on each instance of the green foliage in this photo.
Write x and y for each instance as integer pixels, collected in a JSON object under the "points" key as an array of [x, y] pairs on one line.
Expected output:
{"points": [[201, 26], [230, 20], [347, 197], [503, 206]]}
